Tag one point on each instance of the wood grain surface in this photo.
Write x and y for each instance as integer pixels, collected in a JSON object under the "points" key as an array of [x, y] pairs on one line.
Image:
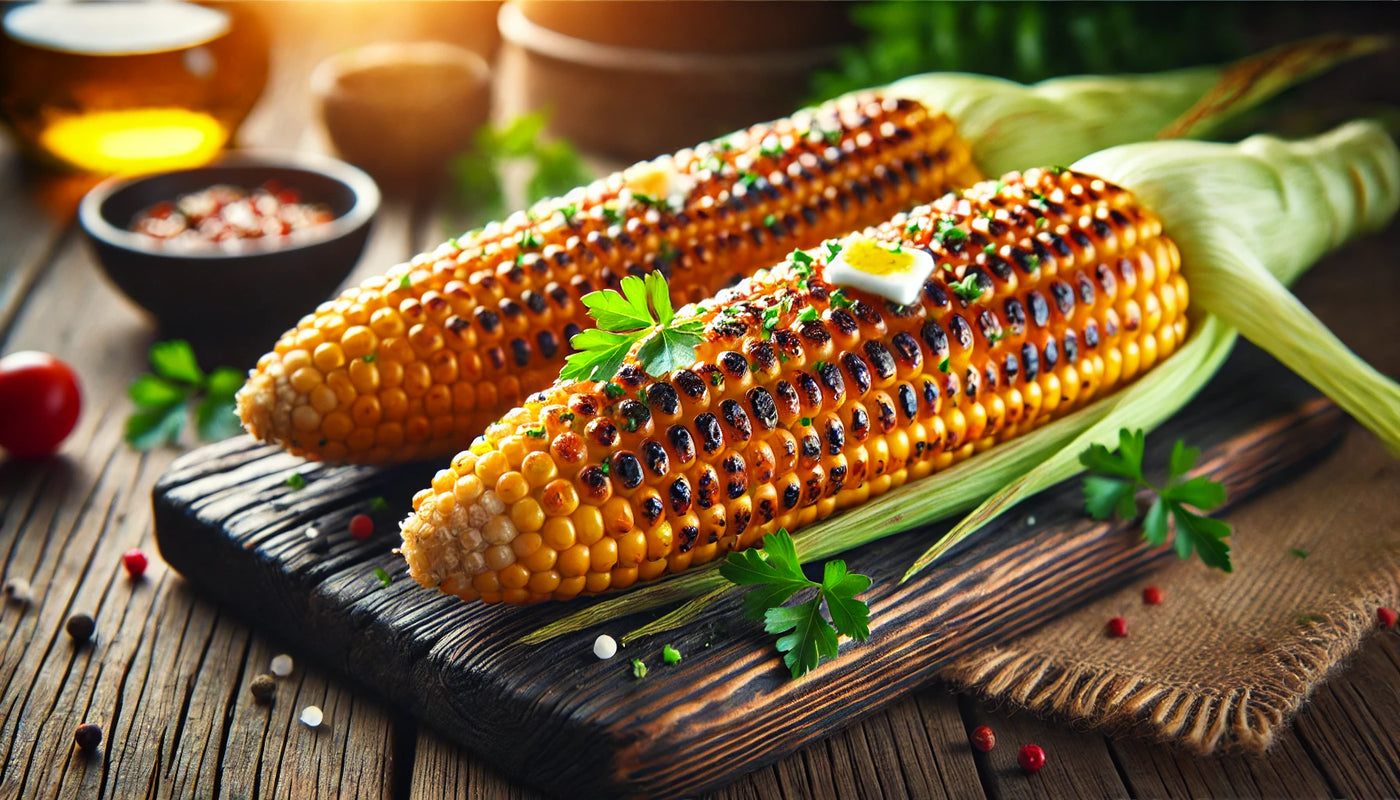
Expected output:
{"points": [[554, 716], [167, 677]]}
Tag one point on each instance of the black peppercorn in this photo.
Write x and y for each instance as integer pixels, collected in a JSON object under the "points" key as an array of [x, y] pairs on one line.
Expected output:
{"points": [[80, 627], [263, 687], [88, 736]]}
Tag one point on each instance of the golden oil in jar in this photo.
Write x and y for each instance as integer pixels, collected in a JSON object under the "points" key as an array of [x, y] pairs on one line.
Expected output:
{"points": [[128, 87]]}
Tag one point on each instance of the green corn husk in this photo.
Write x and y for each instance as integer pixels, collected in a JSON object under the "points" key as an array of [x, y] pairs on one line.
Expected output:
{"points": [[1012, 126], [1231, 209]]}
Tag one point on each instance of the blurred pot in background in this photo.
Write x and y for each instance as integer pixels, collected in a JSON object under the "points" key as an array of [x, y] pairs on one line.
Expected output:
{"points": [[129, 87], [635, 79], [400, 110]]}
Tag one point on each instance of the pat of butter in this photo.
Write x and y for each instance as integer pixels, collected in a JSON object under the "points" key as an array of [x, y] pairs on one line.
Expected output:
{"points": [[659, 180], [896, 273]]}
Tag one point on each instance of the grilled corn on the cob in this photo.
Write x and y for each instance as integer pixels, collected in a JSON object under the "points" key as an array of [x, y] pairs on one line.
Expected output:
{"points": [[1052, 288], [415, 363]]}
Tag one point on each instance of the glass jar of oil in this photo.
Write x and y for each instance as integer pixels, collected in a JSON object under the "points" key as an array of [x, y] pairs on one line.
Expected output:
{"points": [[129, 87]]}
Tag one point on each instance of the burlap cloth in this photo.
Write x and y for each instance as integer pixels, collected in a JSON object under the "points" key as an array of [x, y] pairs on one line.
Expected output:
{"points": [[1225, 660]]}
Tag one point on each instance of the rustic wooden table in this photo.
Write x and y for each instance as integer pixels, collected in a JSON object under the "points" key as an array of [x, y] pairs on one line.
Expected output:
{"points": [[167, 677]]}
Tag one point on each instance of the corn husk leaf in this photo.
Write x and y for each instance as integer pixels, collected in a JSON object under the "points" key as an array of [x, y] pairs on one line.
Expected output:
{"points": [[1012, 126], [1232, 209]]}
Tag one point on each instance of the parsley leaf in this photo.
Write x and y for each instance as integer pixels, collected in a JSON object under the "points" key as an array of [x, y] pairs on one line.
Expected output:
{"points": [[626, 318], [162, 398], [383, 577], [1116, 476], [968, 289], [775, 573]]}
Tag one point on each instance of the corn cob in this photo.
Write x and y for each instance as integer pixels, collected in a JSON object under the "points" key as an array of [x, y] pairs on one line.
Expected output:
{"points": [[1053, 288], [415, 363]]}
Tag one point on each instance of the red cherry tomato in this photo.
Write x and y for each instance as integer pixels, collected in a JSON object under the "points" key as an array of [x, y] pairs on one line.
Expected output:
{"points": [[39, 403]]}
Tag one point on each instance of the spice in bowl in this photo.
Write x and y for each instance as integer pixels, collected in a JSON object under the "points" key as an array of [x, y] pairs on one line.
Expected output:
{"points": [[224, 213]]}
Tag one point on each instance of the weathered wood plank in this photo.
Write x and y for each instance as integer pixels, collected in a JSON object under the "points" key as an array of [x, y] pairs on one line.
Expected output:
{"points": [[1349, 726], [578, 725], [1076, 764]]}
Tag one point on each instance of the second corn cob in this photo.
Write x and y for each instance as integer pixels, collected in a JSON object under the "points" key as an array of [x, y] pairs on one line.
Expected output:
{"points": [[1052, 288], [414, 363]]}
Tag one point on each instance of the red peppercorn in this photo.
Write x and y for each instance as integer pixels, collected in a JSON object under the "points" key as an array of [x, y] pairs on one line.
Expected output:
{"points": [[1152, 596], [983, 739], [361, 527], [1118, 627], [135, 563], [1386, 617], [1031, 758]]}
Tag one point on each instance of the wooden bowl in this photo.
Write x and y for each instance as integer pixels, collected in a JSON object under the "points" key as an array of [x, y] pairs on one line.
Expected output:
{"points": [[633, 102], [401, 110], [250, 292]]}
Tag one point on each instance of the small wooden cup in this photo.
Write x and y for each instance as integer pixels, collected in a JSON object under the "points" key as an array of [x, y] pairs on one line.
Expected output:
{"points": [[401, 110]]}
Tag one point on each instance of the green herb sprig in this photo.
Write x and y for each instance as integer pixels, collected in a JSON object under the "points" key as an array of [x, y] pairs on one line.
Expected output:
{"points": [[477, 190], [162, 398], [641, 312], [1116, 476], [809, 638]]}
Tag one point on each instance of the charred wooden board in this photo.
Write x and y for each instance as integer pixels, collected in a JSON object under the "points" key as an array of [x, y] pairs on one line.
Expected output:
{"points": [[554, 716]]}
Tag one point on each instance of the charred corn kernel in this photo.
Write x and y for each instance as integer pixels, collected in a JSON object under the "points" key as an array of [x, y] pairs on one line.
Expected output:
{"points": [[785, 442], [494, 311]]}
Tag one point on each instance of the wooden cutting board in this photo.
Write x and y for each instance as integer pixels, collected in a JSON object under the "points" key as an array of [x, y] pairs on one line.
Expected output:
{"points": [[554, 716]]}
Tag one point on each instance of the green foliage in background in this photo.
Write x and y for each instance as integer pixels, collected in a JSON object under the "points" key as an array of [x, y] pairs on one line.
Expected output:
{"points": [[1031, 41], [476, 188]]}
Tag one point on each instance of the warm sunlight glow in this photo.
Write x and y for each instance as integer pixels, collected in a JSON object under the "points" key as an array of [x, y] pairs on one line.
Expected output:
{"points": [[135, 141]]}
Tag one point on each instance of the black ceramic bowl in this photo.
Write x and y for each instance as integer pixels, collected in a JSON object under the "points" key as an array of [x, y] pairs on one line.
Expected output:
{"points": [[255, 290]]}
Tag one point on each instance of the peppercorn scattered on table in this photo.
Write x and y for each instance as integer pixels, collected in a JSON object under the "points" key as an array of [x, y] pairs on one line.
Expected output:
{"points": [[1048, 289], [415, 363]]}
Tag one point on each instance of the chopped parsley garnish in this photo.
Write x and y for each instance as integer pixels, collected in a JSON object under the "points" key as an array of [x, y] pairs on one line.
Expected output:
{"points": [[774, 150], [748, 179], [639, 668], [809, 636], [371, 357], [801, 264], [569, 212], [296, 481], [605, 468], [943, 365], [528, 240], [378, 504], [1116, 476], [611, 215], [968, 289], [567, 416], [948, 231], [770, 220], [1033, 262], [807, 314], [806, 421], [840, 300], [914, 227], [1042, 222], [1297, 552], [614, 390], [535, 431], [405, 280], [670, 655], [652, 202], [384, 578], [819, 366], [717, 379], [625, 319], [989, 249], [833, 248]]}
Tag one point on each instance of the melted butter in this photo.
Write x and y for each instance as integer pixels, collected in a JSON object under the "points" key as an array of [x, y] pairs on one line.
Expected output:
{"points": [[875, 258]]}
